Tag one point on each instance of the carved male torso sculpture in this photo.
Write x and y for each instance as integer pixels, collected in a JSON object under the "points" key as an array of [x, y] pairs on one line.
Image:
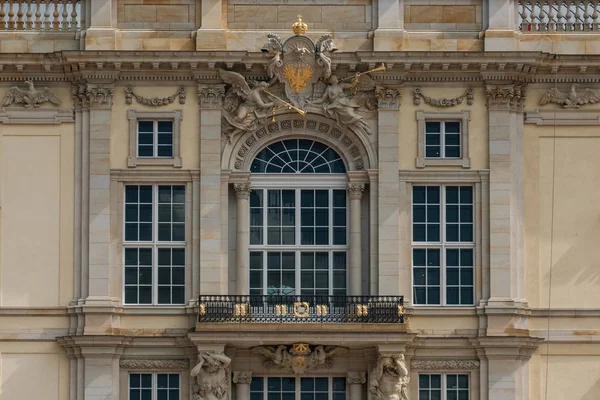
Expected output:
{"points": [[389, 379], [212, 382]]}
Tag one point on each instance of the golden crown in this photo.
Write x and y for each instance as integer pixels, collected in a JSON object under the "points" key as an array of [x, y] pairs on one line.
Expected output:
{"points": [[299, 27]]}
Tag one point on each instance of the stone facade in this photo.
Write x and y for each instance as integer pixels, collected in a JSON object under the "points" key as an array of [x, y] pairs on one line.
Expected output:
{"points": [[521, 84]]}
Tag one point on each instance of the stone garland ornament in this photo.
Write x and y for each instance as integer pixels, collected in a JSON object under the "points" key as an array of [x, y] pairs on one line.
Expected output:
{"points": [[30, 96], [440, 365], [154, 364], [571, 99], [212, 380], [299, 358], [389, 378], [154, 101], [418, 95]]}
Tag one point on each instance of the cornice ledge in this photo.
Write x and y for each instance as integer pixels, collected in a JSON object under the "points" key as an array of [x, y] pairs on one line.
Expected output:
{"points": [[176, 175], [444, 176], [507, 347], [563, 117], [21, 116]]}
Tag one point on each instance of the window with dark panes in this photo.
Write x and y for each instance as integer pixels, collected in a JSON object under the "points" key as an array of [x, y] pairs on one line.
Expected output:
{"points": [[443, 387], [155, 139], [154, 386], [304, 388], [442, 139], [154, 244], [298, 236], [443, 245]]}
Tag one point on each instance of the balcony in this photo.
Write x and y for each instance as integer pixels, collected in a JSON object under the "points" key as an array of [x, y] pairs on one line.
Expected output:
{"points": [[558, 16], [301, 309]]}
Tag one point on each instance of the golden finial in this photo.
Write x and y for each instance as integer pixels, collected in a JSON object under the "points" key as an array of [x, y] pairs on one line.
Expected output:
{"points": [[299, 27]]}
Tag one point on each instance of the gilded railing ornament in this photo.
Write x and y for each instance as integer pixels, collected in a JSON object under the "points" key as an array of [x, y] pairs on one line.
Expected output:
{"points": [[571, 99], [418, 95], [154, 101], [299, 358], [30, 96]]}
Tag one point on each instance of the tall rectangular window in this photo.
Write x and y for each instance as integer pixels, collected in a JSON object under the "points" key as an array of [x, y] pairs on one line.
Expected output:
{"points": [[298, 242], [443, 245], [154, 386], [443, 387], [154, 244], [155, 139], [308, 388], [442, 139]]}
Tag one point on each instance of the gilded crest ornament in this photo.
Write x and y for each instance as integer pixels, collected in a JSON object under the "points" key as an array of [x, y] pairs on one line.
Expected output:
{"points": [[299, 357], [299, 77]]}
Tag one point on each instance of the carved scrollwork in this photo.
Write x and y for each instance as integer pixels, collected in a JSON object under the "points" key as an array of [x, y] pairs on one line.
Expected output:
{"points": [[154, 101], [153, 364], [443, 102], [441, 365]]}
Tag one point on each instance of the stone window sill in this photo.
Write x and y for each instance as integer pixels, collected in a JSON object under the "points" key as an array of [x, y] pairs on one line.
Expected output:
{"points": [[423, 162], [133, 162]]}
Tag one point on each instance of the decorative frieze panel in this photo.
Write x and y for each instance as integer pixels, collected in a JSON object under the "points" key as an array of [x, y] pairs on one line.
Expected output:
{"points": [[154, 364], [444, 365], [443, 102], [154, 101]]}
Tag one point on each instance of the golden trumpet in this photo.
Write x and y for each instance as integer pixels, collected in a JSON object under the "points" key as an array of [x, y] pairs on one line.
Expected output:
{"points": [[356, 76], [286, 104]]}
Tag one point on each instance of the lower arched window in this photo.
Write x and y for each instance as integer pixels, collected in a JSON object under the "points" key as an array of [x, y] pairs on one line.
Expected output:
{"points": [[298, 221]]}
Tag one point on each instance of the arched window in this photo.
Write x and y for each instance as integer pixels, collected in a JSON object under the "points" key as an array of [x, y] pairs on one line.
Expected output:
{"points": [[298, 156], [298, 224]]}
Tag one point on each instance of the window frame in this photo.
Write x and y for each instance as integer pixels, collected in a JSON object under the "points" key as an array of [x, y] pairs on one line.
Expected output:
{"points": [[268, 181], [443, 244], [297, 384], [155, 244], [134, 117], [461, 116], [154, 385], [444, 382]]}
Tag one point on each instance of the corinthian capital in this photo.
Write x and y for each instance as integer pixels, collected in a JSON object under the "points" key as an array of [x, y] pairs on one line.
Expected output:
{"points": [[242, 377], [211, 96], [505, 97], [99, 96], [356, 378], [388, 97], [242, 190], [355, 190]]}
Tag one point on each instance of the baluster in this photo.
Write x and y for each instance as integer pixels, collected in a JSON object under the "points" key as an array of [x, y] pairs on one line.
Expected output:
{"points": [[74, 25], [55, 21], [535, 21], [524, 21], [543, 15], [38, 16], [586, 16], [594, 16], [20, 14], [2, 15], [560, 17], [47, 24], [65, 17], [551, 16], [578, 24], [11, 16], [28, 16], [568, 17]]}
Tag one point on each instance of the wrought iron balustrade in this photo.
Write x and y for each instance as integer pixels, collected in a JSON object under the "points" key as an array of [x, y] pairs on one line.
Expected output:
{"points": [[301, 309]]}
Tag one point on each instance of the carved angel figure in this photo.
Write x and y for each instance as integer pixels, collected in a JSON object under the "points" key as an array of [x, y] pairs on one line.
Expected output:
{"points": [[343, 107], [212, 382], [389, 378], [278, 357], [571, 99], [244, 106], [29, 97]]}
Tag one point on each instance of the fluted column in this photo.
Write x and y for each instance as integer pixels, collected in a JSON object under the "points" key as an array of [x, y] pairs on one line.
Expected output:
{"points": [[355, 381], [242, 381], [242, 193], [355, 192]]}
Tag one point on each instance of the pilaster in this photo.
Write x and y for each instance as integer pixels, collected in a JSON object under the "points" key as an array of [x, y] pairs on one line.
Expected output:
{"points": [[501, 17], [355, 193], [100, 34], [211, 35], [355, 381], [213, 273], [242, 380], [391, 269], [390, 33], [242, 282]]}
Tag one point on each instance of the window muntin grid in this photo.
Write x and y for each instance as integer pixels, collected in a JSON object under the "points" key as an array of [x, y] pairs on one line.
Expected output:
{"points": [[443, 246], [298, 156], [154, 245], [298, 388], [154, 386], [443, 387], [295, 254], [154, 138], [442, 139]]}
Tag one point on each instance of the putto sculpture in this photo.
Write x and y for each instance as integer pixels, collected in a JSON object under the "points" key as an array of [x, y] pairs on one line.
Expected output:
{"points": [[29, 97], [298, 358], [571, 99], [212, 381], [389, 378]]}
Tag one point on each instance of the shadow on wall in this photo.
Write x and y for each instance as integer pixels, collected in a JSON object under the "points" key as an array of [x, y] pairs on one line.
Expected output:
{"points": [[580, 263], [593, 393]]}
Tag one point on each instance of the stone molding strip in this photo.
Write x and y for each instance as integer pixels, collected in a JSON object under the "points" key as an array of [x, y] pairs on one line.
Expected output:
{"points": [[154, 364], [18, 116], [445, 365], [563, 118]]}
